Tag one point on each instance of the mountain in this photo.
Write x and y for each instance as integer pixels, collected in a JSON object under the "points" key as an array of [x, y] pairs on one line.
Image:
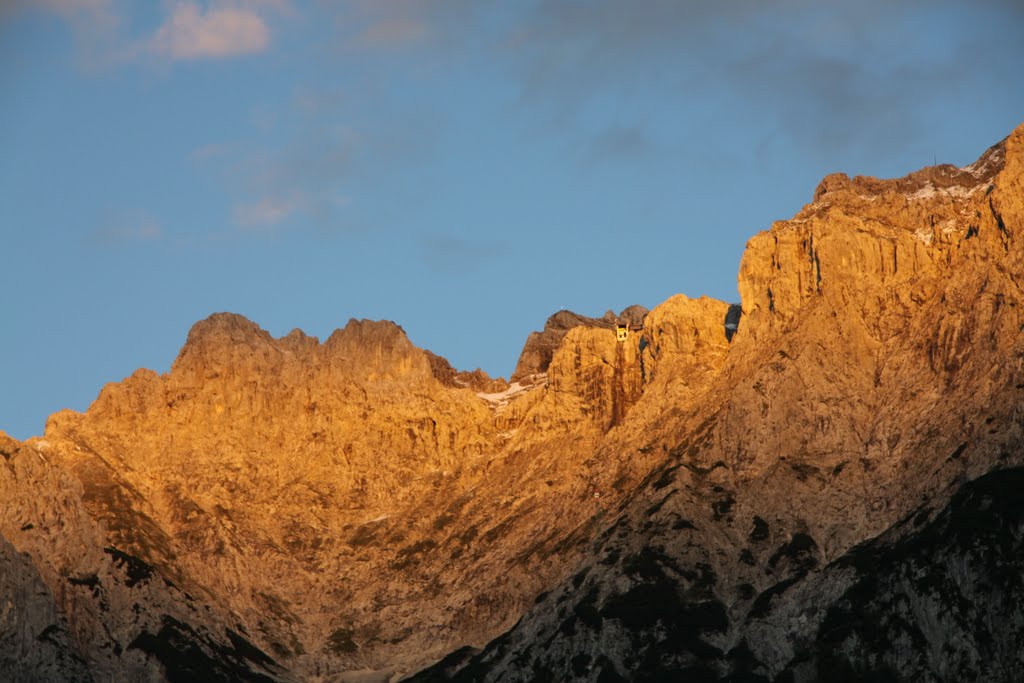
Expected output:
{"points": [[814, 484], [838, 502]]}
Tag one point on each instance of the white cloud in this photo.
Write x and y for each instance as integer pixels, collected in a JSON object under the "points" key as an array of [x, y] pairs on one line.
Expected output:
{"points": [[130, 226], [220, 31], [267, 212], [270, 211], [106, 34]]}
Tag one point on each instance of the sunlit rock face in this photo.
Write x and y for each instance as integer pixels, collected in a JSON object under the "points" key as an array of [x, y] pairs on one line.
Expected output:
{"points": [[704, 490], [541, 346], [810, 515], [326, 496]]}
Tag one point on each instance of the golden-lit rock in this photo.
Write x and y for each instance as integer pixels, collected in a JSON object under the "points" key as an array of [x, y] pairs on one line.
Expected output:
{"points": [[359, 504], [836, 493]]}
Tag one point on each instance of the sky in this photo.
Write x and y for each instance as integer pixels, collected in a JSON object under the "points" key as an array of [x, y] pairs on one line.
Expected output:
{"points": [[463, 168]]}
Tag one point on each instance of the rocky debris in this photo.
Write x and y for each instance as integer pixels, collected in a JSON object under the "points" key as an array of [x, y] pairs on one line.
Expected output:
{"points": [[540, 347]]}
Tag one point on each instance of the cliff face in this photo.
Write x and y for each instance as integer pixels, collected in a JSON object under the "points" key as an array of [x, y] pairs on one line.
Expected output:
{"points": [[697, 498], [328, 495], [541, 346], [804, 522], [76, 608]]}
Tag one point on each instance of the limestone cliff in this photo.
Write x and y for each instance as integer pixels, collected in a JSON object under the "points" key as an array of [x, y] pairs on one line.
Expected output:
{"points": [[77, 607], [363, 469], [808, 518], [540, 346], [695, 497]]}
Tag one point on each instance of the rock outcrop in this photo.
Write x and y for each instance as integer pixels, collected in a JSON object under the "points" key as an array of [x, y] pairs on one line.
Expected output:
{"points": [[540, 346], [477, 380], [806, 504], [719, 491], [77, 608]]}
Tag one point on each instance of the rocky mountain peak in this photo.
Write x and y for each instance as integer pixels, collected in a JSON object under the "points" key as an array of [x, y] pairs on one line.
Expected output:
{"points": [[834, 493], [938, 179], [540, 346], [723, 492], [362, 332], [222, 339], [376, 348], [227, 344], [225, 329], [7, 444], [867, 239]]}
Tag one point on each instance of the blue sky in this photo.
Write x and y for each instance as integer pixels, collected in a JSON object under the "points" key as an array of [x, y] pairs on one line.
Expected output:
{"points": [[462, 168]]}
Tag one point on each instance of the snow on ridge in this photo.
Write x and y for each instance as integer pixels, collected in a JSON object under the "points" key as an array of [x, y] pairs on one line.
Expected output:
{"points": [[929, 191], [982, 165], [500, 399]]}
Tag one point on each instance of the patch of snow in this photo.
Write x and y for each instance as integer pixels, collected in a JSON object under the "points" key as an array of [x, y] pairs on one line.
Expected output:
{"points": [[930, 190], [925, 192], [980, 167], [374, 520], [925, 235], [960, 191], [504, 396], [501, 399]]}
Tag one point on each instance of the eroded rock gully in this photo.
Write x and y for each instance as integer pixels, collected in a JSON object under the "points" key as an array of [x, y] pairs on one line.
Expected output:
{"points": [[720, 502]]}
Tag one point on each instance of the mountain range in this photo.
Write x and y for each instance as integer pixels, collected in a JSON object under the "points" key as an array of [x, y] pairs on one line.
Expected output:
{"points": [[818, 482]]}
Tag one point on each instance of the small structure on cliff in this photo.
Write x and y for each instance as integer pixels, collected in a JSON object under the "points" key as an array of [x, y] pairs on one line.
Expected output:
{"points": [[624, 327]]}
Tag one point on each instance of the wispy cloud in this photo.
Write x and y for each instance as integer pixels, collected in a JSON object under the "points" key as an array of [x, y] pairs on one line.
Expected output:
{"points": [[193, 32], [452, 255], [129, 226], [268, 212], [208, 152], [107, 32], [403, 24], [304, 175], [618, 143], [795, 68]]}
